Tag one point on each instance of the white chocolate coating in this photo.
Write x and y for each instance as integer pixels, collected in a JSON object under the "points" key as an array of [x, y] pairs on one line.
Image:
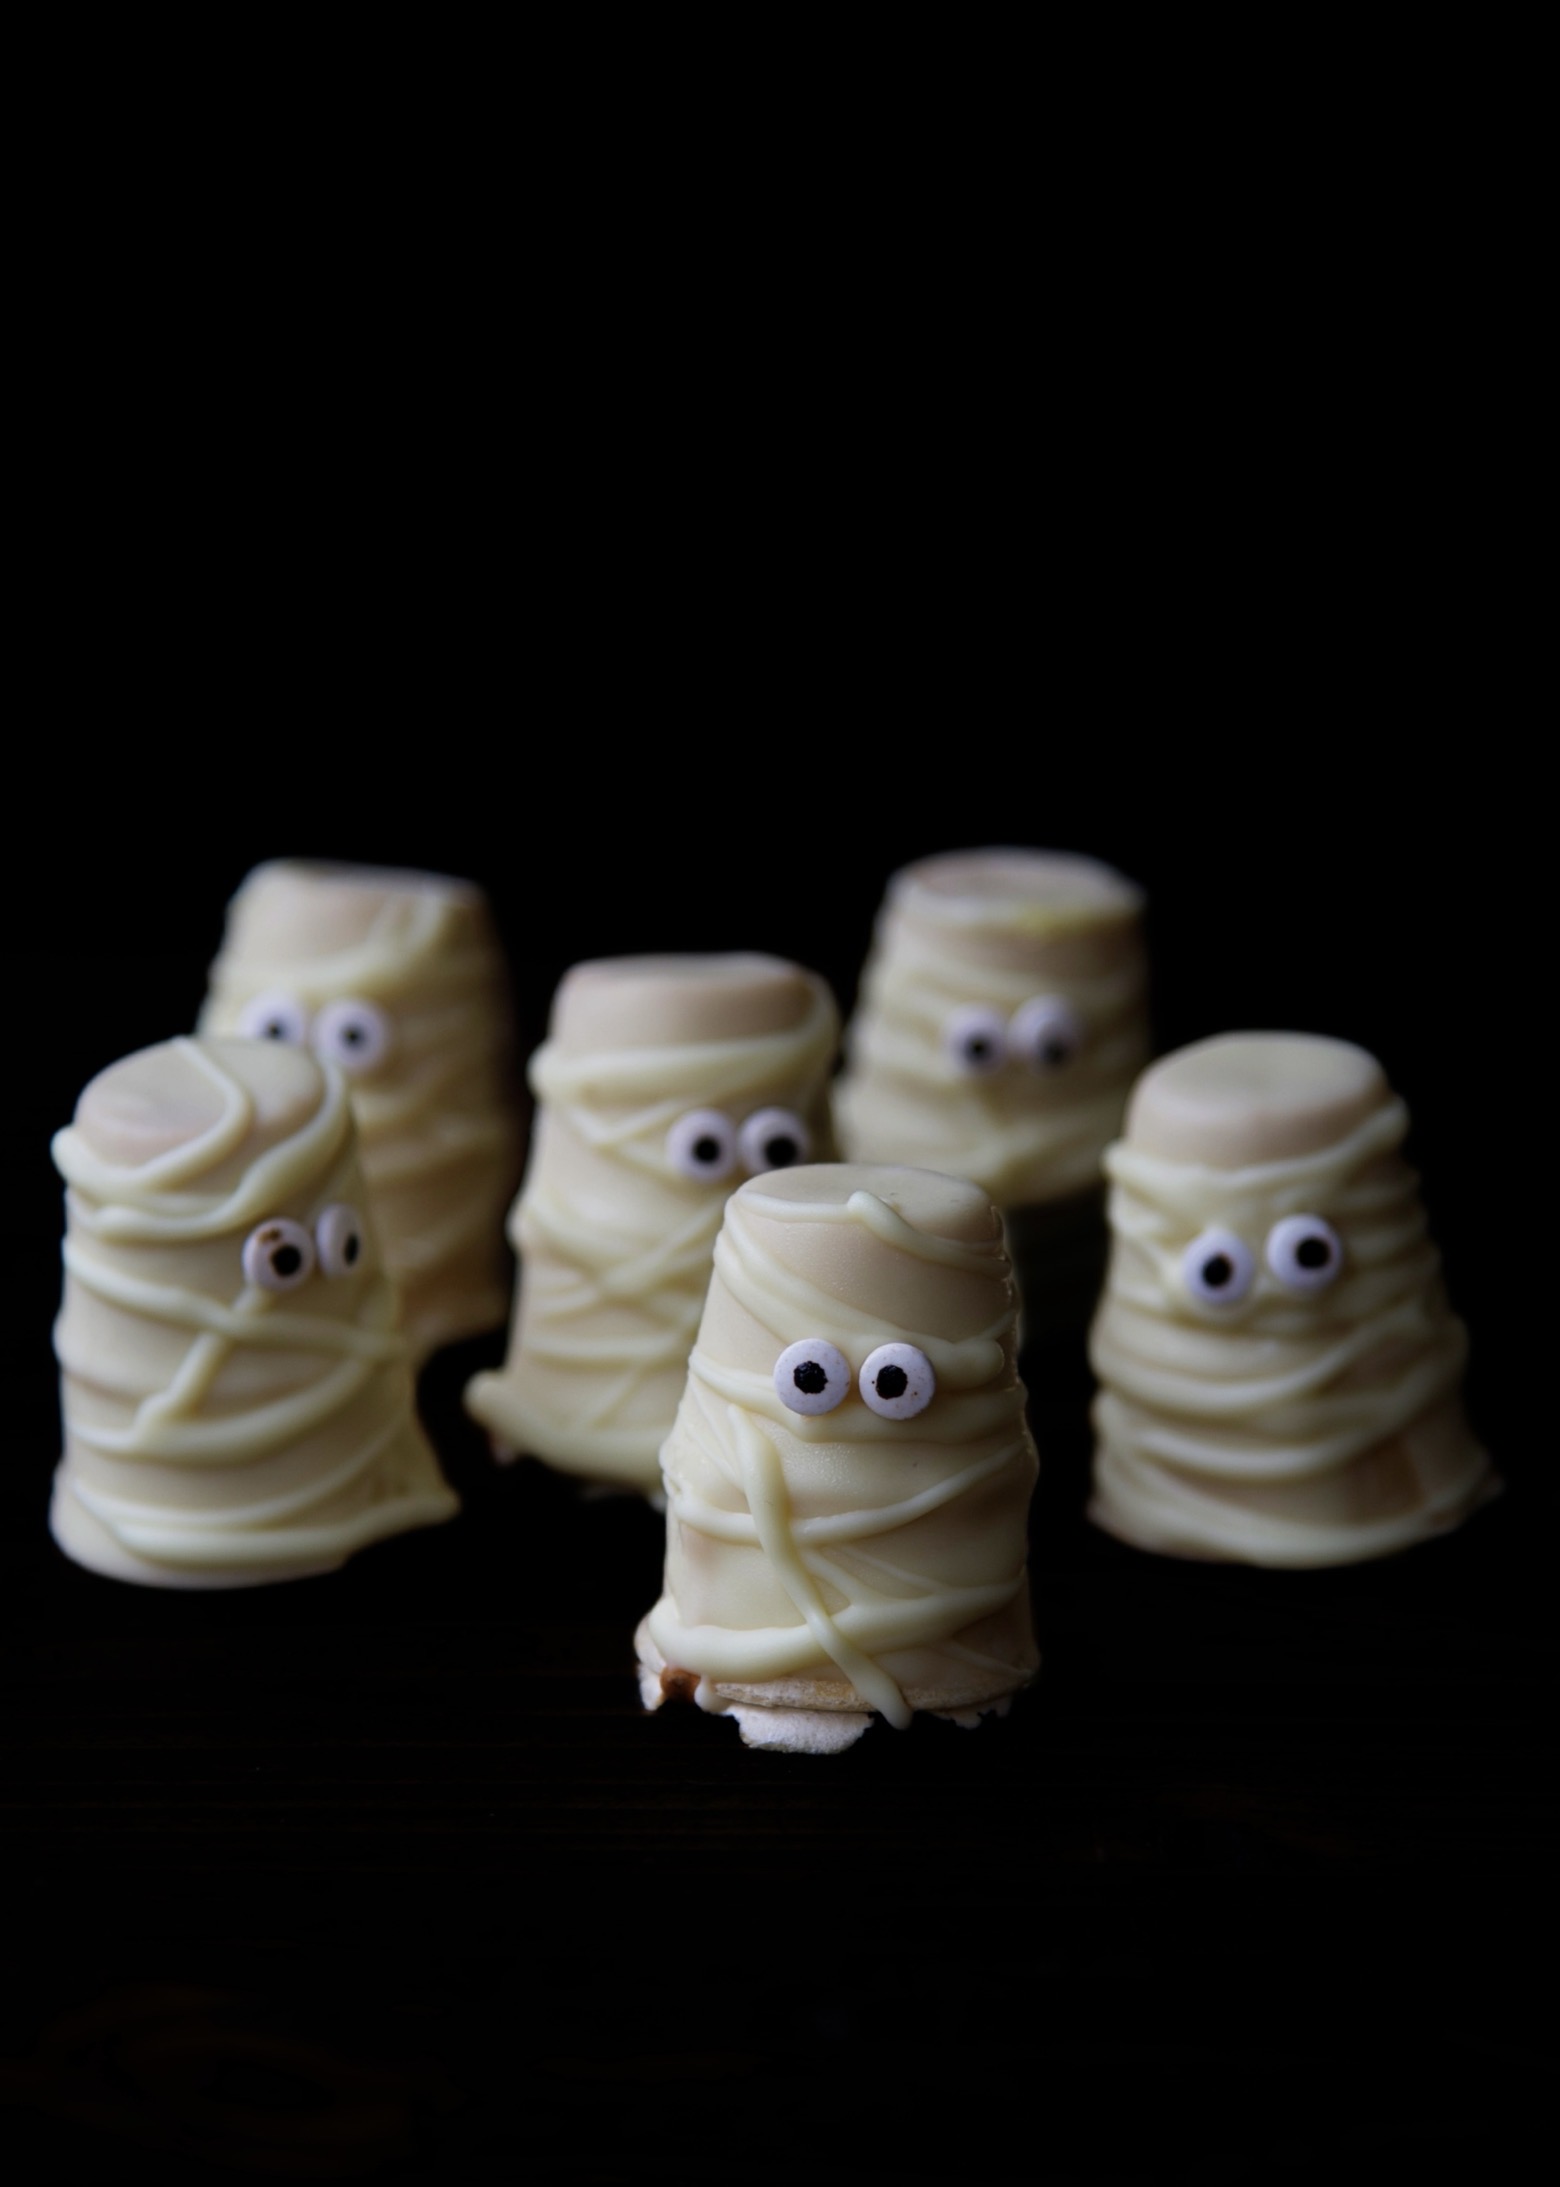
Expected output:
{"points": [[1310, 1422], [615, 1240], [219, 1433], [844, 1560], [438, 1116], [991, 940]]}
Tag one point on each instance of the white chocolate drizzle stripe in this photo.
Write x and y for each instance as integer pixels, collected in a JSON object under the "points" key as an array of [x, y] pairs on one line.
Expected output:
{"points": [[844, 1526], [121, 1512], [294, 1546], [224, 1440], [244, 1322], [1193, 1186], [777, 1651], [764, 1480], [1164, 1510]]}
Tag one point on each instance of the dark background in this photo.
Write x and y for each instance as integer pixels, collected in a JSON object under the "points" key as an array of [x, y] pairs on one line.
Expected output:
{"points": [[387, 1871], [676, 534]]}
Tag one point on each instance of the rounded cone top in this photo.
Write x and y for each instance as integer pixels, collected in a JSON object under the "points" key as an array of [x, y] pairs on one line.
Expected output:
{"points": [[160, 1098], [921, 1250], [673, 1001], [1022, 886], [1243, 1099], [299, 908], [941, 1207]]}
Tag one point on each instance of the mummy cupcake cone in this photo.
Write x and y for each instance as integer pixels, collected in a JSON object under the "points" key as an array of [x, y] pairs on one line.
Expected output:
{"points": [[397, 979], [1001, 1022], [664, 1081], [237, 1399], [1279, 1369], [850, 1471]]}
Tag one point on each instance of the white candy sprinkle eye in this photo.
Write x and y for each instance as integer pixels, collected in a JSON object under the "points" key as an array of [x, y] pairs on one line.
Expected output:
{"points": [[703, 1146], [897, 1381], [976, 1040], [339, 1236], [1218, 1268], [278, 1256], [773, 1139], [1046, 1032], [1304, 1252], [275, 1017], [812, 1376], [356, 1035]]}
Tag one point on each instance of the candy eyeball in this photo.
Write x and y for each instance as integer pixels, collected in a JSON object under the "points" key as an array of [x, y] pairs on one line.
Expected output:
{"points": [[355, 1035], [812, 1375], [1218, 1268], [339, 1240], [773, 1139], [897, 1381], [1047, 1032], [702, 1146], [976, 1040], [1304, 1253], [275, 1017], [278, 1256]]}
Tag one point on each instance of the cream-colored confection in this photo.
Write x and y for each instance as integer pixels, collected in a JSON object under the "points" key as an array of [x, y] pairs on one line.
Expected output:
{"points": [[849, 1475], [663, 1082], [1002, 1020], [237, 1397], [1280, 1371], [398, 979]]}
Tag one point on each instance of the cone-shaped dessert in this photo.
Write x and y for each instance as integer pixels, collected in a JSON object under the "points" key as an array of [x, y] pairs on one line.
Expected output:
{"points": [[1280, 1372], [396, 978], [663, 1082], [849, 1476], [1001, 1022], [237, 1398]]}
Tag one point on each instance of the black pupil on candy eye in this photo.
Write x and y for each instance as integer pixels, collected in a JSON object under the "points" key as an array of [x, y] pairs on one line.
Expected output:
{"points": [[1054, 1050], [780, 1150], [810, 1378], [351, 1248], [286, 1260], [352, 1035], [1313, 1252], [892, 1382], [1217, 1271], [706, 1149], [978, 1049], [275, 1029]]}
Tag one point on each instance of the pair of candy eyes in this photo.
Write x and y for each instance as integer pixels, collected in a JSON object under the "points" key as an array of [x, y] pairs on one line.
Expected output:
{"points": [[1045, 1032], [352, 1033], [814, 1375], [706, 1145], [1303, 1252], [281, 1254]]}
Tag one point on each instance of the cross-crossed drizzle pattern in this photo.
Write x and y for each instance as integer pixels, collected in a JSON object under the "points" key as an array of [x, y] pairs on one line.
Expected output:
{"points": [[437, 1131], [613, 1304], [1220, 1430], [736, 1474], [903, 1098], [283, 1479]]}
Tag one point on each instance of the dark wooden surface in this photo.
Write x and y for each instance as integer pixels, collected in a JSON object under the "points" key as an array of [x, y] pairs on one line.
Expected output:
{"points": [[388, 1873]]}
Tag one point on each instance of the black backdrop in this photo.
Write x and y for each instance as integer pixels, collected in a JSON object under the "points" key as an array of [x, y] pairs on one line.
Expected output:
{"points": [[387, 1871]]}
